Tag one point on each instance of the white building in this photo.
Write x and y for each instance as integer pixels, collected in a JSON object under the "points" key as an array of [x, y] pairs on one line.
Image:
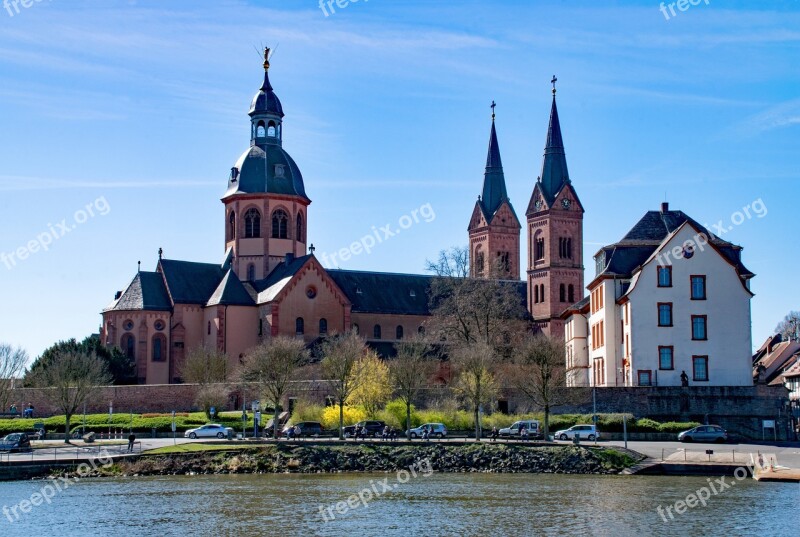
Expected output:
{"points": [[668, 298]]}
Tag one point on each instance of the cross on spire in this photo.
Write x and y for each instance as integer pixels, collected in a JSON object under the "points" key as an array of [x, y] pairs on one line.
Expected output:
{"points": [[493, 107], [553, 82]]}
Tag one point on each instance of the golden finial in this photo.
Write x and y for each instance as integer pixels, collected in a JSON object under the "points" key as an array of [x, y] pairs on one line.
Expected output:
{"points": [[266, 58]]}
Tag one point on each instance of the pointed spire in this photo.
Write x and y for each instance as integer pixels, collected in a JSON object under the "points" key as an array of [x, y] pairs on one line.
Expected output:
{"points": [[266, 86], [494, 182], [554, 165]]}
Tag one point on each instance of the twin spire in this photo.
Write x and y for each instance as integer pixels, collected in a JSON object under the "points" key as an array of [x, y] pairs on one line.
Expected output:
{"points": [[554, 164]]}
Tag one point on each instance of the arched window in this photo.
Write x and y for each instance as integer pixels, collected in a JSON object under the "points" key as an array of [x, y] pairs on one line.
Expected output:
{"points": [[280, 222], [251, 272], [271, 129], [571, 294], [260, 129], [541, 292], [323, 326], [535, 294], [159, 348], [569, 248], [479, 262], [232, 226], [252, 224], [562, 293], [376, 331], [538, 246], [209, 328], [299, 326], [398, 333], [128, 344], [299, 235]]}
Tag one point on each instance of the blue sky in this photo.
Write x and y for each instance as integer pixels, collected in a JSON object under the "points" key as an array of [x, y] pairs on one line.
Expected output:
{"points": [[138, 109]]}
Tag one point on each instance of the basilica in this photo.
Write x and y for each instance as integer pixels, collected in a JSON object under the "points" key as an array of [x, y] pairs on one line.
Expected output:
{"points": [[269, 282]]}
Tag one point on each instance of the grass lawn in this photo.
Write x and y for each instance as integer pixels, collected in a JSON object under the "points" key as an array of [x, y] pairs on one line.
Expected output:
{"points": [[194, 448]]}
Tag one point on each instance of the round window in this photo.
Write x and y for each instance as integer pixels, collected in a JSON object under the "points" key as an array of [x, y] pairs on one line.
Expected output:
{"points": [[128, 325], [159, 325], [311, 291], [688, 251]]}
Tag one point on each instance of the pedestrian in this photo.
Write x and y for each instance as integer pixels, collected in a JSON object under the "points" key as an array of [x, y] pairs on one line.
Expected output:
{"points": [[357, 432], [131, 440], [297, 431], [494, 434], [524, 433], [13, 409], [425, 432], [385, 433]]}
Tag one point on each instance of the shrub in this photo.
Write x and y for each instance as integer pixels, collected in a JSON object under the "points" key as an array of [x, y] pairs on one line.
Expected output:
{"points": [[305, 411], [352, 414], [394, 414]]}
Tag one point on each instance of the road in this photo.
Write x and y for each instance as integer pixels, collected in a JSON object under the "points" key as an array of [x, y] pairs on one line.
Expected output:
{"points": [[786, 454]]}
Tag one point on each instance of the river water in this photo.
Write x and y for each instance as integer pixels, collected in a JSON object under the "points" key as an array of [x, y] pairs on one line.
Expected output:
{"points": [[439, 504]]}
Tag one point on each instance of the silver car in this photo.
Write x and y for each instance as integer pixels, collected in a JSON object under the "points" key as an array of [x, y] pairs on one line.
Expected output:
{"points": [[585, 432], [212, 430], [705, 433], [435, 430]]}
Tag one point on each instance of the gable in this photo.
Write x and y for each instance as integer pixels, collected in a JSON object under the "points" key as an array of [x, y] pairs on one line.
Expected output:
{"points": [[505, 216], [478, 219]]}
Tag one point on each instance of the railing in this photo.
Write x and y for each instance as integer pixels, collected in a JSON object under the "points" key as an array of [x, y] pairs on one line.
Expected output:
{"points": [[718, 455], [70, 452]]}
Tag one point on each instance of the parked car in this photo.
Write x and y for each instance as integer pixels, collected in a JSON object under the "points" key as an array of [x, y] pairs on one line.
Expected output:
{"points": [[307, 428], [435, 430], [211, 430], [16, 443], [374, 428], [704, 433], [531, 425], [585, 432]]}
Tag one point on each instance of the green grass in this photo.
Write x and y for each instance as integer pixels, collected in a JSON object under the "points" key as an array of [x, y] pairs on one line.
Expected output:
{"points": [[194, 448], [100, 423], [614, 459]]}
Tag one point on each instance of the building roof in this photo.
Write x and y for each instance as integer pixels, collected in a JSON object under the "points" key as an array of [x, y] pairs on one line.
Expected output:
{"points": [[494, 183], [273, 284], [145, 292], [265, 101], [230, 292], [554, 164], [189, 282], [383, 292], [647, 235], [581, 306], [266, 168]]}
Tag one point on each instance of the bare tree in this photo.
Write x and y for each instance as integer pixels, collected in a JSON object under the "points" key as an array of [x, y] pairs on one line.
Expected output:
{"points": [[467, 310], [72, 378], [410, 372], [476, 383], [341, 366], [789, 327], [207, 367], [12, 366], [540, 373], [272, 366]]}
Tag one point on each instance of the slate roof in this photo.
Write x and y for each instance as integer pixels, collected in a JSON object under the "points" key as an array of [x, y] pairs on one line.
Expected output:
{"points": [[255, 172], [269, 287], [189, 282], [554, 164], [265, 101], [494, 183], [383, 292], [577, 307], [231, 292], [145, 292], [623, 257]]}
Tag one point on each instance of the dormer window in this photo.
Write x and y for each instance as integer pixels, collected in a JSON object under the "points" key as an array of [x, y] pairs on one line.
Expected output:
{"points": [[412, 293], [358, 290], [279, 171]]}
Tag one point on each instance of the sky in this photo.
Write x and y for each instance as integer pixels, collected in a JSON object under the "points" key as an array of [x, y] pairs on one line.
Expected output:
{"points": [[120, 121]]}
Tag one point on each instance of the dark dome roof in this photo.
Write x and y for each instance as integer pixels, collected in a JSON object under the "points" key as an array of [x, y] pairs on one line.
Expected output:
{"points": [[266, 168], [265, 101]]}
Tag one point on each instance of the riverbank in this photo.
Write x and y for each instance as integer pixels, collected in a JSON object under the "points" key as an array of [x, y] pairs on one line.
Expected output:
{"points": [[291, 458]]}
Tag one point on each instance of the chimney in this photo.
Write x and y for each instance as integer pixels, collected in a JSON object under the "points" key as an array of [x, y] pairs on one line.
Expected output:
{"points": [[289, 258], [665, 207]]}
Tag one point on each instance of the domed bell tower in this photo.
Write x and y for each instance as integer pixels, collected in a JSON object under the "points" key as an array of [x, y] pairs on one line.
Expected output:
{"points": [[266, 203]]}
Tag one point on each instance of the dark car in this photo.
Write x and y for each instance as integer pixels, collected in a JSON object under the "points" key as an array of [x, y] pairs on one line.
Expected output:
{"points": [[373, 428], [307, 428], [16, 443]]}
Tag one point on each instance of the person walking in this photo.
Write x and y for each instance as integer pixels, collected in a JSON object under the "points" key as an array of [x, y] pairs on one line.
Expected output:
{"points": [[131, 440], [524, 433], [494, 434]]}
